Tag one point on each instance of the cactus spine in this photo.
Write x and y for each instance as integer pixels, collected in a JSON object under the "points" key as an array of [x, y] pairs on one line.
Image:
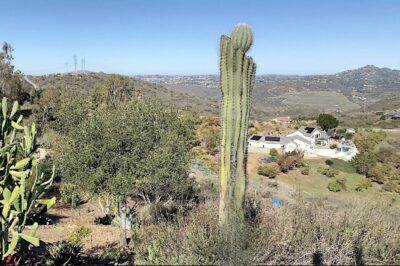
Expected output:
{"points": [[237, 74], [22, 185]]}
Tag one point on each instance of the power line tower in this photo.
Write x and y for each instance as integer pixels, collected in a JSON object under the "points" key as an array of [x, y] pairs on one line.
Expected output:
{"points": [[75, 62], [83, 64], [66, 67]]}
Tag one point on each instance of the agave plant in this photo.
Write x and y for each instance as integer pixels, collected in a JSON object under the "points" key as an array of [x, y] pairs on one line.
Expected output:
{"points": [[63, 253]]}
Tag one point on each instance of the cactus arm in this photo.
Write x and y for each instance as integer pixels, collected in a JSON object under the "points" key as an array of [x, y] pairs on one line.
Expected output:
{"points": [[226, 85]]}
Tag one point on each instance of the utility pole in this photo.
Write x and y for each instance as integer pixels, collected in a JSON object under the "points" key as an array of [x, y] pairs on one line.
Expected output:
{"points": [[75, 62]]}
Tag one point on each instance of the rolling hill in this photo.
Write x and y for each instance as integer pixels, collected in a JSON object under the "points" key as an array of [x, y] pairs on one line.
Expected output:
{"points": [[273, 94]]}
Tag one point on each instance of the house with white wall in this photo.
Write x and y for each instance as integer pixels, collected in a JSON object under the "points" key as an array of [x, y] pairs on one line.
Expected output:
{"points": [[314, 135], [310, 140]]}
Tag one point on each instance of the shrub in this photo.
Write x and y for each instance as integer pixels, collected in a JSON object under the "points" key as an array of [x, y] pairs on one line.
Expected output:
{"points": [[390, 186], [333, 146], [298, 160], [273, 152], [305, 171], [79, 234], [348, 135], [329, 162], [286, 163], [335, 186], [328, 171], [158, 212], [104, 220], [364, 185], [273, 184], [63, 253], [270, 169], [379, 173], [69, 194], [207, 159], [342, 181], [111, 253]]}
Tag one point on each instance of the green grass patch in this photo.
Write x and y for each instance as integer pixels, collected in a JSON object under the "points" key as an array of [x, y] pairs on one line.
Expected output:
{"points": [[343, 166]]}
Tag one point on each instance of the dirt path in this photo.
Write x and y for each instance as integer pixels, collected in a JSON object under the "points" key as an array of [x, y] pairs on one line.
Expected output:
{"points": [[36, 87]]}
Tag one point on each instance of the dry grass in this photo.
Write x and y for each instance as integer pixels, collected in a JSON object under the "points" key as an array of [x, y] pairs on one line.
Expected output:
{"points": [[299, 233]]}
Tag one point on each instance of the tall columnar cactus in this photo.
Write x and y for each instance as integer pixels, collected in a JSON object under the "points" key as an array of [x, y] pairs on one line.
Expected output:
{"points": [[22, 186], [237, 74]]}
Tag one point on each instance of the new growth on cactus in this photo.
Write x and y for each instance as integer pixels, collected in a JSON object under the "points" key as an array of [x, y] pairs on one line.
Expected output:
{"points": [[22, 185], [237, 75]]}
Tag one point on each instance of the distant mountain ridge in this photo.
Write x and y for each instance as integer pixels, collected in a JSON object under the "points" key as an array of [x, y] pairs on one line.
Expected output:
{"points": [[273, 94], [368, 83]]}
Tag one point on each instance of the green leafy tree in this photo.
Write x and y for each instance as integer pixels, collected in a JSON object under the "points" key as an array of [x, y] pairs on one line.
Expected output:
{"points": [[137, 149], [115, 90], [72, 108], [327, 121], [10, 79], [47, 101]]}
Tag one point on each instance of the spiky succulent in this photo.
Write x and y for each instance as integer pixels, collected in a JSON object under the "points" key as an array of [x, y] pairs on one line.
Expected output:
{"points": [[237, 74]]}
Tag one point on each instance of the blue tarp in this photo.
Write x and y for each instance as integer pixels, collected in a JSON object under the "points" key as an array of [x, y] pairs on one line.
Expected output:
{"points": [[276, 202]]}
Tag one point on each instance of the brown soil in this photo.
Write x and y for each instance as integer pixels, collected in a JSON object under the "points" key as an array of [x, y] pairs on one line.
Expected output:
{"points": [[66, 219]]}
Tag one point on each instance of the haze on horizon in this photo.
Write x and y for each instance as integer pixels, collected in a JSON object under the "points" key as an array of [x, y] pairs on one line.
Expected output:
{"points": [[179, 37]]}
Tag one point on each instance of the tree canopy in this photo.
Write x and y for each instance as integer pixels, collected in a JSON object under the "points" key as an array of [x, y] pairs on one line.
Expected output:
{"points": [[136, 149], [327, 121], [10, 79]]}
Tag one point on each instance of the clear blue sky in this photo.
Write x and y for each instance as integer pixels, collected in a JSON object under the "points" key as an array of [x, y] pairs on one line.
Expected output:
{"points": [[182, 37]]}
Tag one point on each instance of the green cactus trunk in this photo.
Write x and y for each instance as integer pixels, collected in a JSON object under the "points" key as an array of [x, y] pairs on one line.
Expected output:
{"points": [[237, 79]]}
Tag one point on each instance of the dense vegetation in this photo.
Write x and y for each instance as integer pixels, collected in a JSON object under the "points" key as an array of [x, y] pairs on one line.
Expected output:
{"points": [[379, 162]]}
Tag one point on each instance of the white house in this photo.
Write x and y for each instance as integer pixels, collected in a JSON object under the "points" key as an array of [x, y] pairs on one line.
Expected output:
{"points": [[312, 141], [314, 135]]}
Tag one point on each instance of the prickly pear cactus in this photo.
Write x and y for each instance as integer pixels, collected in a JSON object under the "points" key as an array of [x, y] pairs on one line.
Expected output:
{"points": [[237, 75], [22, 186]]}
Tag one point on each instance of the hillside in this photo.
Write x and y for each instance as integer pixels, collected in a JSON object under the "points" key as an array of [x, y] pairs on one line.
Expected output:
{"points": [[284, 94], [84, 81], [273, 94]]}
